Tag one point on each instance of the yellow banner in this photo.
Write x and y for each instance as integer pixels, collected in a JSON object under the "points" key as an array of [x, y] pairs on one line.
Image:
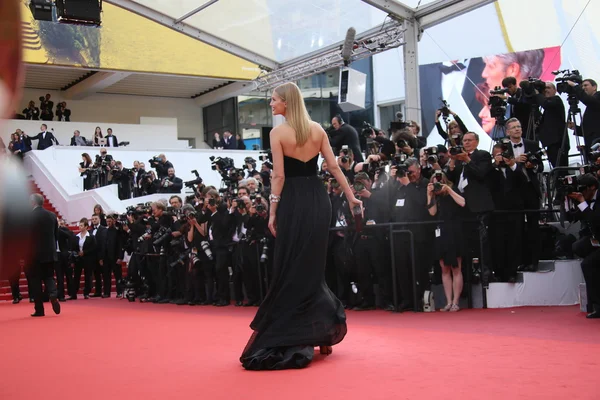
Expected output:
{"points": [[127, 42]]}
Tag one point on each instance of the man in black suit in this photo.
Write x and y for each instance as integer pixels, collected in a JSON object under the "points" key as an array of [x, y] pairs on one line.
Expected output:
{"points": [[552, 125], [44, 249], [220, 232], [229, 141], [171, 183], [588, 94], [469, 171], [587, 246], [111, 140], [524, 153], [432, 78], [506, 231], [99, 232], [345, 134], [45, 139], [64, 270]]}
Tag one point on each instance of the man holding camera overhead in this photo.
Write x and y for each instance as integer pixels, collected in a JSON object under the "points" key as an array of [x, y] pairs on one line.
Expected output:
{"points": [[588, 94]]}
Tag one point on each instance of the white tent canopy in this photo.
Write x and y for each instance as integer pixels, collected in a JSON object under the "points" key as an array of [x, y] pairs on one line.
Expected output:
{"points": [[276, 33]]}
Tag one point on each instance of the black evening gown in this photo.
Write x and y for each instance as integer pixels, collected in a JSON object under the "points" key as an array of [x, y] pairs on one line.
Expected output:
{"points": [[450, 244], [299, 311]]}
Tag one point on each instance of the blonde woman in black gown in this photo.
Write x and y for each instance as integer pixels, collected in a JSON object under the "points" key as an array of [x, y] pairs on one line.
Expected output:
{"points": [[300, 312]]}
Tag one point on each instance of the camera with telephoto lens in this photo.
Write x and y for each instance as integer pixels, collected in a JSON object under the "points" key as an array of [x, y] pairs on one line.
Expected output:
{"points": [[345, 156], [445, 109], [258, 204], [456, 150], [224, 163], [534, 156], [399, 163], [264, 255], [431, 152], [240, 203], [565, 75], [497, 104], [436, 178], [194, 182], [206, 248], [161, 236], [358, 187], [251, 161], [531, 85], [367, 129], [155, 160], [507, 148], [569, 184], [594, 156]]}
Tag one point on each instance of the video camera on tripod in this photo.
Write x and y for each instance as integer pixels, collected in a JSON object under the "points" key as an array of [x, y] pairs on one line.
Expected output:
{"points": [[562, 78], [498, 104], [191, 184]]}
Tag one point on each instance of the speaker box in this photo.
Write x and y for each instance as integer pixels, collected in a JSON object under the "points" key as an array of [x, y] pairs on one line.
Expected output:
{"points": [[80, 12], [41, 9], [353, 90]]}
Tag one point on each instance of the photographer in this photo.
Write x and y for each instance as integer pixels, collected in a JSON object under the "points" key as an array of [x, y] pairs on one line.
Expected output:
{"points": [[448, 205], [250, 166], [84, 258], [245, 267], [102, 162], [407, 191], [519, 105], [527, 154], [170, 183], [346, 162], [113, 255], [220, 228], [160, 226], [62, 112], [588, 246], [161, 165], [433, 159], [468, 169], [32, 112], [506, 181], [122, 177], [456, 127], [345, 134], [588, 94], [199, 272], [46, 106], [552, 125], [370, 247]]}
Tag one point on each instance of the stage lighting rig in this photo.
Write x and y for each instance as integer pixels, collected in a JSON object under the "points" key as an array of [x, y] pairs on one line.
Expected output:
{"points": [[377, 40]]}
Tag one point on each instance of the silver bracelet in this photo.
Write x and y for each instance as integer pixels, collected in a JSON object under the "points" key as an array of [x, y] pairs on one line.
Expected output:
{"points": [[274, 199]]}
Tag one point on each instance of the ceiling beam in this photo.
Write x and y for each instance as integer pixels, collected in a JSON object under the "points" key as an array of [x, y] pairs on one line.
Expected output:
{"points": [[232, 90], [94, 84], [443, 10], [195, 33], [195, 11], [393, 7]]}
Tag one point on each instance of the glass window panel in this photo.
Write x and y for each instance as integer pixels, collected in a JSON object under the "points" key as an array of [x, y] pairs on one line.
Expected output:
{"points": [[172, 8]]}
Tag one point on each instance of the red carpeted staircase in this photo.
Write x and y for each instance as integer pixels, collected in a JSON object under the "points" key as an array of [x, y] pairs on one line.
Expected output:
{"points": [[5, 292]]}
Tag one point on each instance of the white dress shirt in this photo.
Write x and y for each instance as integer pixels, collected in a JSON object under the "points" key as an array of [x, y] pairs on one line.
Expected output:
{"points": [[82, 239]]}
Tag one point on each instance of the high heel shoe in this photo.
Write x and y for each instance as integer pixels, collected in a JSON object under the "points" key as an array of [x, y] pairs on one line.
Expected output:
{"points": [[327, 350]]}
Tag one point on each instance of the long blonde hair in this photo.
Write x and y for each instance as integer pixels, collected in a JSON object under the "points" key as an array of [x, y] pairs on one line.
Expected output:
{"points": [[296, 115]]}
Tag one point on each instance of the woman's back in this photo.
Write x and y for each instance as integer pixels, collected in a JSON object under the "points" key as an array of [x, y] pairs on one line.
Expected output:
{"points": [[306, 152]]}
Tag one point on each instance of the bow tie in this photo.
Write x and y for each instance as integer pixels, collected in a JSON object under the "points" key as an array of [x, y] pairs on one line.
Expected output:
{"points": [[517, 145], [452, 68]]}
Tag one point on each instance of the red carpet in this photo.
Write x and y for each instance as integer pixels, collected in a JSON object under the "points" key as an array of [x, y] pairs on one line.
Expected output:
{"points": [[110, 349]]}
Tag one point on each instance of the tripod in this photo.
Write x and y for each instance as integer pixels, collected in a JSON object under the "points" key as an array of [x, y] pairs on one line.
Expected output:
{"points": [[573, 111], [499, 131], [531, 124]]}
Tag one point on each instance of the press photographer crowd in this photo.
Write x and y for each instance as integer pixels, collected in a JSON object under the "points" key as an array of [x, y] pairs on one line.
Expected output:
{"points": [[457, 213]]}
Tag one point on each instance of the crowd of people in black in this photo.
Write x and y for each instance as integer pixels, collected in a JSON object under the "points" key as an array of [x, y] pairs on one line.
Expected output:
{"points": [[45, 111], [458, 212]]}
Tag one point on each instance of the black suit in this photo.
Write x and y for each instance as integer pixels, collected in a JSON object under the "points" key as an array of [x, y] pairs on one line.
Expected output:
{"points": [[174, 188], [111, 141], [87, 263], [590, 265], [44, 142], [409, 204], [113, 251], [44, 256], [66, 241], [347, 135], [430, 79], [552, 128], [531, 195], [100, 236], [74, 143], [220, 226], [230, 143], [506, 230], [479, 202], [591, 116]]}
